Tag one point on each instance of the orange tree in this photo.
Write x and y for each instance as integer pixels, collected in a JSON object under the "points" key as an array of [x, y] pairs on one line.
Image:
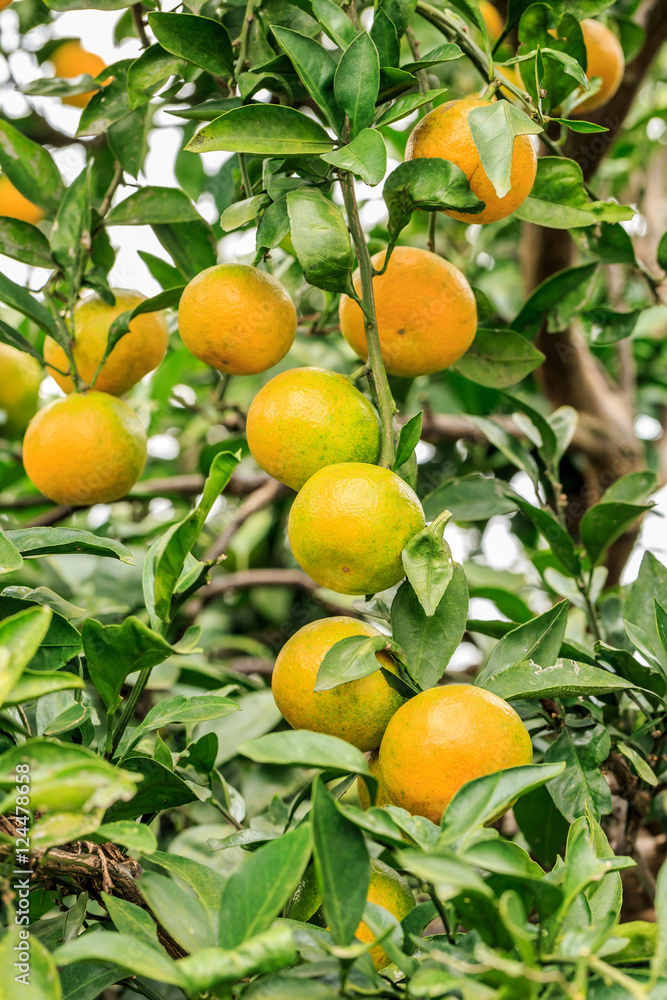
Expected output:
{"points": [[232, 757]]}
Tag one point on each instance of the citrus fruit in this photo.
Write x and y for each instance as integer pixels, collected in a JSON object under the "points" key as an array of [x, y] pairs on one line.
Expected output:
{"points": [[4, 3], [15, 206], [137, 353], [604, 60], [444, 737], [71, 60], [382, 797], [237, 319], [349, 524], [445, 132], [20, 376], [426, 313], [306, 418], [357, 711], [84, 448], [492, 19]]}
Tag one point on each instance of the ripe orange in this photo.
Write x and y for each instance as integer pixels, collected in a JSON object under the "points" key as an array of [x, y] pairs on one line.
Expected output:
{"points": [[71, 60], [492, 19], [15, 206], [605, 60], [4, 3], [445, 132], [426, 312], [444, 737], [357, 711], [237, 319], [137, 353], [382, 796], [85, 448], [306, 418], [20, 377], [349, 524]]}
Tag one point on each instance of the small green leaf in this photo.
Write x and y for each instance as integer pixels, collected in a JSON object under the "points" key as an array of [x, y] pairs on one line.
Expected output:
{"points": [[147, 74], [365, 156], [20, 638], [264, 129], [34, 542], [201, 40], [348, 660], [539, 640], [441, 54], [303, 748], [152, 206], [580, 126], [125, 950], [357, 82], [494, 129], [408, 439], [30, 168], [558, 199], [581, 785], [498, 358], [24, 242], [469, 498], [428, 564], [407, 104], [71, 233], [315, 67], [639, 764], [321, 240], [430, 184]]}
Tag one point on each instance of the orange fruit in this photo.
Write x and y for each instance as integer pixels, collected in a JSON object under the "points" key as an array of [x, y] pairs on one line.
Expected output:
{"points": [[426, 312], [137, 353], [20, 377], [605, 60], [445, 132], [84, 448], [306, 418], [4, 3], [14, 205], [357, 711], [444, 737], [492, 19], [349, 524], [382, 797], [71, 60], [237, 319]]}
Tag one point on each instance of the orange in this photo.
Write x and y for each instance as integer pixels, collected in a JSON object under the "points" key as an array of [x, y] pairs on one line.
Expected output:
{"points": [[444, 737], [71, 60], [426, 312], [492, 19], [306, 418], [15, 206], [4, 3], [137, 353], [357, 711], [237, 319], [445, 132], [382, 797], [349, 524], [20, 377], [604, 60], [84, 448]]}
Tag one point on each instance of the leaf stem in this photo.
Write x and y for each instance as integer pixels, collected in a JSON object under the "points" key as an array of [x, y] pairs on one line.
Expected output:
{"points": [[130, 705], [385, 400]]}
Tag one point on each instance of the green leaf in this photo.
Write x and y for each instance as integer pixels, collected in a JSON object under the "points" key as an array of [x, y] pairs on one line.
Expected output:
{"points": [[273, 227], [240, 213], [19, 298], [315, 68], [428, 564], [609, 326], [303, 748], [30, 168], [365, 156], [649, 586], [335, 22], [357, 82], [441, 54], [321, 240], [41, 982], [164, 273], [498, 358], [160, 789], [206, 883], [152, 206], [543, 826], [538, 640], [349, 659], [24, 242], [408, 439], [209, 967], [10, 557], [659, 959], [181, 914], [558, 538], [558, 199], [108, 105], [562, 680], [264, 129], [131, 919], [341, 863], [201, 40], [257, 891], [147, 74], [606, 521], [34, 542], [71, 233], [17, 340], [20, 638], [128, 140], [450, 875], [198, 708], [430, 184], [638, 763], [581, 785], [494, 128], [135, 836], [511, 448], [37, 683], [429, 642], [580, 126], [124, 950], [407, 104], [470, 498]]}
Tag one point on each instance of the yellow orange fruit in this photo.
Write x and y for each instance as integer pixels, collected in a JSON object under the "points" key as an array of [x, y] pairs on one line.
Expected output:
{"points": [[357, 711], [20, 377], [4, 3], [137, 353], [14, 205], [71, 60], [349, 525], [426, 313], [84, 448], [237, 319], [492, 19], [306, 418], [444, 737], [605, 60], [445, 132], [382, 796]]}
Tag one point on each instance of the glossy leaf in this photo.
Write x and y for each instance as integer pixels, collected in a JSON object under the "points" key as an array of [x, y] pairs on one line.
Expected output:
{"points": [[25, 243], [147, 74], [315, 68], [321, 240], [198, 708], [152, 206], [494, 128], [428, 564], [581, 785], [71, 233], [303, 748], [19, 298], [408, 440], [555, 301], [558, 199], [33, 542], [357, 82], [20, 638], [405, 105], [216, 968], [181, 914], [562, 680], [159, 789], [264, 129], [127, 951], [538, 640], [201, 40], [428, 183], [470, 498], [498, 358], [365, 156], [348, 660], [30, 168]]}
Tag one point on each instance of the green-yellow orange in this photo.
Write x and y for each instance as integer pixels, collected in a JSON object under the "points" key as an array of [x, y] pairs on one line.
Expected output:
{"points": [[20, 377]]}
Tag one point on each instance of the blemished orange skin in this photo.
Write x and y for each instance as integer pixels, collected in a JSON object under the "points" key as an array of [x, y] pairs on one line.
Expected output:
{"points": [[605, 60], [20, 378], [71, 60], [492, 19], [237, 319], [307, 418], [358, 711], [137, 353], [382, 796], [14, 205], [445, 132], [390, 890], [349, 525], [84, 448], [444, 737], [426, 313]]}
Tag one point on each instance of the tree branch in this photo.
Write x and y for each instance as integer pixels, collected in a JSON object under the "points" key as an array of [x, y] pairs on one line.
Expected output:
{"points": [[245, 579]]}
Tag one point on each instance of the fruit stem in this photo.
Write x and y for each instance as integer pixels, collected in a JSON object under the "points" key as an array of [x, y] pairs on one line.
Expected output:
{"points": [[359, 373], [378, 375]]}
